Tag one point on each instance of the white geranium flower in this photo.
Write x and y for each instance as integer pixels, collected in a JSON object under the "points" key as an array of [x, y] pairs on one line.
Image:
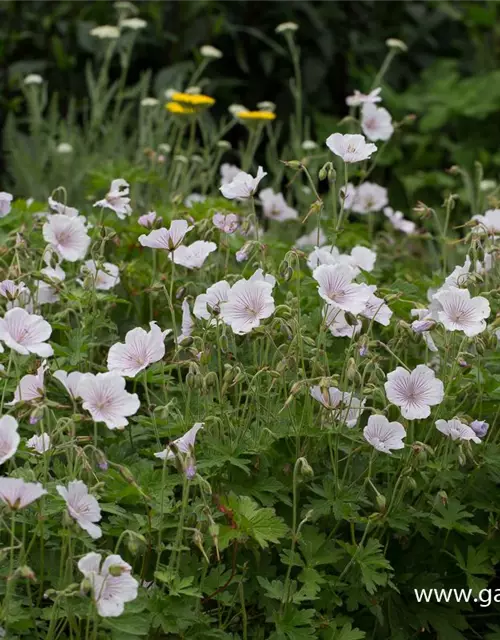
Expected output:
{"points": [[148, 219], [226, 223], [459, 312], [47, 294], [30, 387], [243, 185], [376, 309], [370, 197], [70, 381], [275, 207], [168, 239], [26, 333], [184, 444], [5, 203], [359, 98], [67, 236], [208, 304], [207, 51], [330, 397], [18, 494], [456, 430], [82, 507], [141, 348], [105, 398], [9, 438], [187, 323], [311, 239], [336, 321], [112, 585], [363, 258], [193, 256], [104, 278], [346, 407], [459, 277], [194, 198], [40, 444], [376, 122], [336, 287], [399, 222], [488, 223], [10, 290], [117, 199], [260, 276], [350, 147], [228, 173], [347, 194], [384, 435], [62, 209], [248, 302], [415, 392]]}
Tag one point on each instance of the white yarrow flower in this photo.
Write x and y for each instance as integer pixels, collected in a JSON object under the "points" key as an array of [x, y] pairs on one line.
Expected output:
{"points": [[415, 392]]}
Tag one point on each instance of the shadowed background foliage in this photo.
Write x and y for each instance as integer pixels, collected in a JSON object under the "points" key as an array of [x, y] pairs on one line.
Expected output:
{"points": [[448, 78]]}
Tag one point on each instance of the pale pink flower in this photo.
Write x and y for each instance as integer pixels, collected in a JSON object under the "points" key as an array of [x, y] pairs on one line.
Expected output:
{"points": [[141, 348], [384, 435], [345, 406], [330, 397], [376, 309], [228, 173], [61, 208], [117, 199], [336, 287], [415, 392], [311, 239], [9, 438], [168, 239], [112, 585], [459, 277], [243, 185], [30, 387], [194, 198], [82, 507], [187, 322], [10, 290], [489, 223], [193, 256], [359, 98], [376, 122], [347, 194], [260, 276], [399, 222], [105, 398], [148, 219], [69, 381], [184, 444], [241, 256], [67, 236], [47, 294], [248, 303], [18, 494], [363, 258], [207, 304], [40, 444], [336, 321], [5, 203], [457, 430], [226, 223], [26, 333], [104, 277], [275, 207], [350, 147], [459, 312], [370, 197]]}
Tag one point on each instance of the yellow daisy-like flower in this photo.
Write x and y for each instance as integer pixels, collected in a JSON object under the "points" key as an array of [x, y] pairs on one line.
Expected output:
{"points": [[256, 115], [179, 109], [193, 99]]}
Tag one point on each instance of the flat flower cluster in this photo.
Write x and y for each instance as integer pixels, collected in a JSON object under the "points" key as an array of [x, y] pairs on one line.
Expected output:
{"points": [[252, 391]]}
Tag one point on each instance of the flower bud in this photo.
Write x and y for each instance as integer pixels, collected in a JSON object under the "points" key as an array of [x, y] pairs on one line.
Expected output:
{"points": [[381, 502]]}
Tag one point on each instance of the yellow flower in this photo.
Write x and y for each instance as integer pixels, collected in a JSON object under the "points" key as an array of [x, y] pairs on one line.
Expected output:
{"points": [[193, 99], [179, 109], [256, 115]]}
